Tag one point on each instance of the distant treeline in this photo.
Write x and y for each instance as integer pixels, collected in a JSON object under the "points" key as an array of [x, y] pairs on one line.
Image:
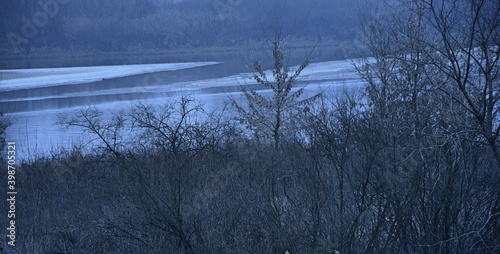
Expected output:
{"points": [[116, 25]]}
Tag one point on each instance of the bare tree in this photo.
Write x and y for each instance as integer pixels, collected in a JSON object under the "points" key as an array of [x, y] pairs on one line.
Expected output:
{"points": [[271, 117], [467, 53], [105, 133], [433, 96]]}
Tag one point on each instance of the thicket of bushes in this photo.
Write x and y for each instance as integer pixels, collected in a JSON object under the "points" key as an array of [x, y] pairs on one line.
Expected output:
{"points": [[361, 183], [411, 164], [367, 174]]}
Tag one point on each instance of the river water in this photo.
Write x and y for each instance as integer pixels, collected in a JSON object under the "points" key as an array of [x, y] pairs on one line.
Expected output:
{"points": [[34, 105]]}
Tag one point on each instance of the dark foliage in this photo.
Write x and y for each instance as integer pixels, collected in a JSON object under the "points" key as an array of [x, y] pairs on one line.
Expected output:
{"points": [[408, 165], [152, 24]]}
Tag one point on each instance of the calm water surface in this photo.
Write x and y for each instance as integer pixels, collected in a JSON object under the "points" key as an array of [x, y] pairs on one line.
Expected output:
{"points": [[34, 112]]}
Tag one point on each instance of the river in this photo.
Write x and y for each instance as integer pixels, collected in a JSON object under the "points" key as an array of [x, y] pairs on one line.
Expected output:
{"points": [[34, 98]]}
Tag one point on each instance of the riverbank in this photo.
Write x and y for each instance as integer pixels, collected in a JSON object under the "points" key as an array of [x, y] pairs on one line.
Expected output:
{"points": [[53, 58]]}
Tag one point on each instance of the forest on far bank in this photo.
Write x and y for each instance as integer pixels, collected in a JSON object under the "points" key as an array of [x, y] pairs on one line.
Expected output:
{"points": [[115, 26]]}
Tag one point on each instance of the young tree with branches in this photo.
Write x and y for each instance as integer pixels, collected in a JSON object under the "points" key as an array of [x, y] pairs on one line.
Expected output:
{"points": [[272, 117]]}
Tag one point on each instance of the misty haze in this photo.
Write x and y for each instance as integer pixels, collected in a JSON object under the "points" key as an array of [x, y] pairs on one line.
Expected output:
{"points": [[250, 126]]}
